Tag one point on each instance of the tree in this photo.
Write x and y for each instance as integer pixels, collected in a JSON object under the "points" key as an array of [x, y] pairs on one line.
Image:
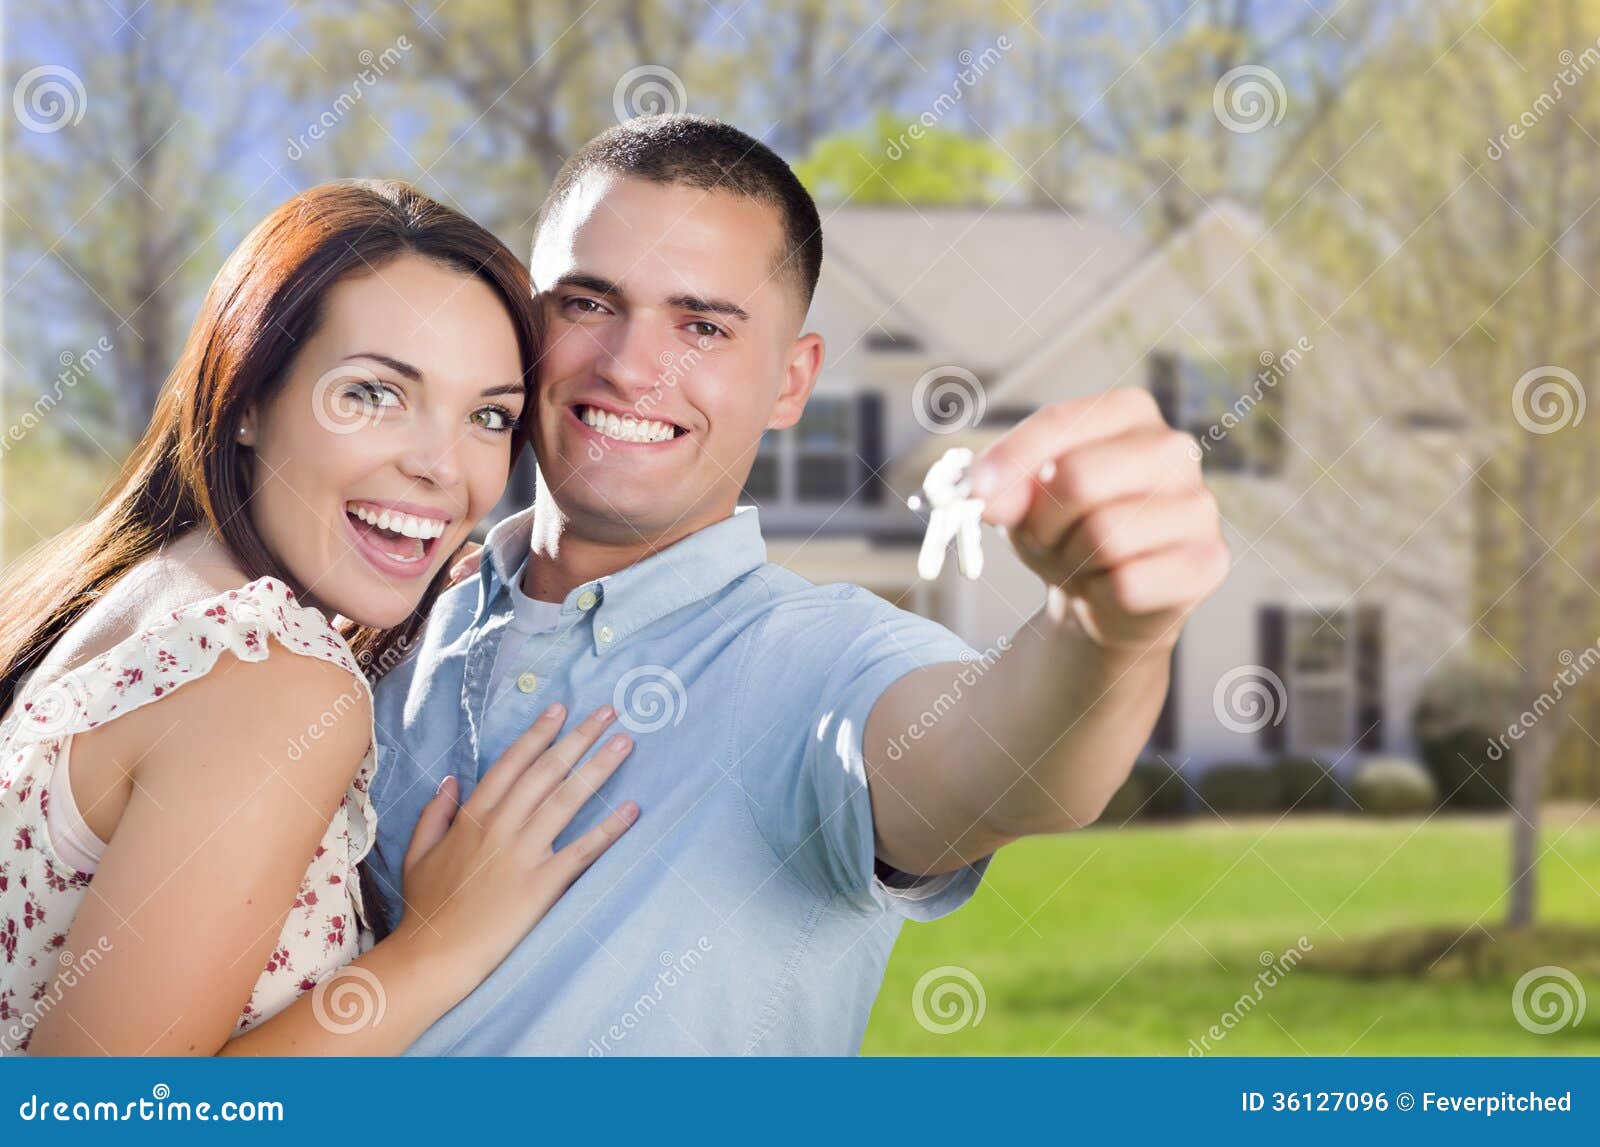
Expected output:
{"points": [[1450, 204], [117, 189], [904, 163]]}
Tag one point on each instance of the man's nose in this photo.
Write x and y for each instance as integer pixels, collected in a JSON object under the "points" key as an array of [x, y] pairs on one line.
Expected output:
{"points": [[633, 357]]}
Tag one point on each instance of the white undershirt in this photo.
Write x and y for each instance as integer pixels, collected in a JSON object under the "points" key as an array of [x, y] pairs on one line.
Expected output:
{"points": [[530, 617]]}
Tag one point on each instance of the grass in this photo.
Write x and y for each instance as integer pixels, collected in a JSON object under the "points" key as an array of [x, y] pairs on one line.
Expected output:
{"points": [[1136, 941]]}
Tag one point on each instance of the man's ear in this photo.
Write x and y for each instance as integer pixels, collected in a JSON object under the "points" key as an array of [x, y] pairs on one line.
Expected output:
{"points": [[800, 375]]}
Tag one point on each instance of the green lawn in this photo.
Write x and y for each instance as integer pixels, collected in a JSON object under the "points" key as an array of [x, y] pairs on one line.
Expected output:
{"points": [[1135, 941]]}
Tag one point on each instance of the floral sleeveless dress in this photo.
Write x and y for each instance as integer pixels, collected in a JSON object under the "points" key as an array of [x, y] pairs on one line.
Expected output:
{"points": [[40, 893]]}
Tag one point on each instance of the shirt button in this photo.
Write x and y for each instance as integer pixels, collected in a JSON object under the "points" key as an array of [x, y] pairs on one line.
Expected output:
{"points": [[586, 600], [605, 634], [528, 682]]}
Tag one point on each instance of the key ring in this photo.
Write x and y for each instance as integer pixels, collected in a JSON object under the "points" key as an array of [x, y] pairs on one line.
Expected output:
{"points": [[953, 514]]}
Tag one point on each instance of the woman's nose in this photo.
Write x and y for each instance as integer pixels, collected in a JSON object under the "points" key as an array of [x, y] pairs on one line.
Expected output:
{"points": [[433, 453]]}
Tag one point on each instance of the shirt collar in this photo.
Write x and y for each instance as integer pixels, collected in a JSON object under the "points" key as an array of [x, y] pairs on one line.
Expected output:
{"points": [[683, 573]]}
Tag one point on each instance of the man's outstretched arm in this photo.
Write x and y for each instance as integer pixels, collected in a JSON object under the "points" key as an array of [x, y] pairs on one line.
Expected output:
{"points": [[1105, 503]]}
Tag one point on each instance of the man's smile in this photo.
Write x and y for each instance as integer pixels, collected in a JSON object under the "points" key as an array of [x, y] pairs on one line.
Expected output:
{"points": [[628, 429]]}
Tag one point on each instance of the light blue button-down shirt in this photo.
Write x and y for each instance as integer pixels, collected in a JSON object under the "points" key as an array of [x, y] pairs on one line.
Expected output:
{"points": [[741, 914]]}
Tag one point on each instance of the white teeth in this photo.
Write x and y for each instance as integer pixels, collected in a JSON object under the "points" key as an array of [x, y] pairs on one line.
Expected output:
{"points": [[628, 428], [407, 525]]}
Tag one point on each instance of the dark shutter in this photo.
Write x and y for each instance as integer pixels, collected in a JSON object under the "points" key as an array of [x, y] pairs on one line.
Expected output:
{"points": [[1369, 677], [1269, 418], [1272, 633], [1164, 386], [1164, 737], [869, 444]]}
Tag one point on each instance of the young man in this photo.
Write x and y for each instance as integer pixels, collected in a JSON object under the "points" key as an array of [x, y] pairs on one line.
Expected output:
{"points": [[790, 824]]}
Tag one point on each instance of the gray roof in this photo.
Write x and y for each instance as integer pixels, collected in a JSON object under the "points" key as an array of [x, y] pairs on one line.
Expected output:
{"points": [[982, 288]]}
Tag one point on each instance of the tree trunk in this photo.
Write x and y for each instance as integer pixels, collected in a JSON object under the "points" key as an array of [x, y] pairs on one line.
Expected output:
{"points": [[1527, 783]]}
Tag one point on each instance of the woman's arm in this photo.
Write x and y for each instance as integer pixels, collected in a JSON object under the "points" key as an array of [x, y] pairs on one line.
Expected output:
{"points": [[230, 800]]}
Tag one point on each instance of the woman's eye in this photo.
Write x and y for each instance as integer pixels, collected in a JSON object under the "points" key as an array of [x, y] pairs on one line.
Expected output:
{"points": [[496, 418], [374, 394]]}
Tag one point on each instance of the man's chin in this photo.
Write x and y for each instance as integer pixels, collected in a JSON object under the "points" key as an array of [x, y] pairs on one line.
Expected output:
{"points": [[628, 508]]}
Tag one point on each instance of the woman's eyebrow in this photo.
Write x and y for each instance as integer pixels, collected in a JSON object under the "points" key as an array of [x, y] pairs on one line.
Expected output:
{"points": [[403, 369], [411, 373]]}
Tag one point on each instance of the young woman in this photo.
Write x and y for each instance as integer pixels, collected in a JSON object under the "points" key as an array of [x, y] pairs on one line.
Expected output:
{"points": [[188, 738]]}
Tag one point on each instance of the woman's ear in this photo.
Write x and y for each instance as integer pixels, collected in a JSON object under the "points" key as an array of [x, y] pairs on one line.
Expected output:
{"points": [[245, 433]]}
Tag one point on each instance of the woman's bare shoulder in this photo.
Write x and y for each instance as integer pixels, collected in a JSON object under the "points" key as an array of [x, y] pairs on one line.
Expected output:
{"points": [[150, 591]]}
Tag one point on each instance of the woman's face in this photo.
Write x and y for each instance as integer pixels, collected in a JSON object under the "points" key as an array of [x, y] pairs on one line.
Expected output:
{"points": [[389, 439]]}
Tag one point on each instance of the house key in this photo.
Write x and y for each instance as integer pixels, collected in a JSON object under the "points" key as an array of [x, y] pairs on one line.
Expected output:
{"points": [[953, 514]]}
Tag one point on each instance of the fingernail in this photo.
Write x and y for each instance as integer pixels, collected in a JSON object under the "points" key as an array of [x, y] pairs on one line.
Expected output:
{"points": [[630, 812], [555, 710], [984, 480], [442, 784], [605, 713], [617, 743]]}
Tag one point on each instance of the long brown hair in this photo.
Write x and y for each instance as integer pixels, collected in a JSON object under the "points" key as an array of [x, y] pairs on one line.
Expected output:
{"points": [[189, 469]]}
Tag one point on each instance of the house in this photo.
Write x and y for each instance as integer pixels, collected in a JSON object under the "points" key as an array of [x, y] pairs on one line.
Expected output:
{"points": [[1346, 500]]}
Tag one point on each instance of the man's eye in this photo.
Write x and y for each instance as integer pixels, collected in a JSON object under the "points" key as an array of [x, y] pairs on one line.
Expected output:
{"points": [[705, 329], [583, 306]]}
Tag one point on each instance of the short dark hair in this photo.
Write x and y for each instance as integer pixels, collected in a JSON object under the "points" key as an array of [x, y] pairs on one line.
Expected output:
{"points": [[697, 151]]}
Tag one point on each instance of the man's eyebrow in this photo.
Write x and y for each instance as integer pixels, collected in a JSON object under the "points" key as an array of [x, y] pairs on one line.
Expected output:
{"points": [[588, 282], [412, 374], [709, 306], [684, 302]]}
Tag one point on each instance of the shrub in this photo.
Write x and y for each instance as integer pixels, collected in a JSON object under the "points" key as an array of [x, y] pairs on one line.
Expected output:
{"points": [[1462, 709], [1390, 786], [1461, 769], [1127, 802], [1166, 796], [1241, 786], [1305, 783]]}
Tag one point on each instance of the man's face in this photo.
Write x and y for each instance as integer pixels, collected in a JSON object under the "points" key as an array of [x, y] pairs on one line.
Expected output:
{"points": [[671, 346]]}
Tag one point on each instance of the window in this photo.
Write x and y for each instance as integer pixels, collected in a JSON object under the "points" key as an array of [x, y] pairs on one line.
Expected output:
{"points": [[1235, 408], [1321, 707], [1331, 669], [762, 485], [813, 461]]}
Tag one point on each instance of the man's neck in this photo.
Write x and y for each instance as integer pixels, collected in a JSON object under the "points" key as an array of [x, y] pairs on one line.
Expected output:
{"points": [[563, 558]]}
